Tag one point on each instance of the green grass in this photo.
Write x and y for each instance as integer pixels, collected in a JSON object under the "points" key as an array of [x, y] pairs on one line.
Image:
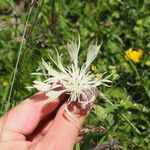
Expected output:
{"points": [[120, 24]]}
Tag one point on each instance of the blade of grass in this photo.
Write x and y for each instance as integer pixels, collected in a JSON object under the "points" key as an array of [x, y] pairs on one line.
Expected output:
{"points": [[28, 36], [19, 54], [30, 32], [15, 72]]}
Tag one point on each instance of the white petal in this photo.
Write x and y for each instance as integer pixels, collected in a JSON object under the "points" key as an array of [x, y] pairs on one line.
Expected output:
{"points": [[51, 58], [102, 82], [51, 80], [37, 73], [56, 86], [106, 80], [73, 50], [41, 86], [59, 63], [50, 70], [92, 53], [53, 95]]}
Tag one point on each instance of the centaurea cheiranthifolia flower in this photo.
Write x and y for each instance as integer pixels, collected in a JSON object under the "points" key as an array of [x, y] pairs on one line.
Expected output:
{"points": [[78, 82]]}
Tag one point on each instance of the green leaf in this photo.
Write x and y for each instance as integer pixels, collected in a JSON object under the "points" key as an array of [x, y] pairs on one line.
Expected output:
{"points": [[100, 112]]}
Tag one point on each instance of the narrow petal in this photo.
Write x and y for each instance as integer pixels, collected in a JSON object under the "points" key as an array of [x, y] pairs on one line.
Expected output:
{"points": [[52, 80], [92, 53], [102, 82], [59, 63], [73, 50], [41, 86], [56, 86], [53, 95], [50, 70]]}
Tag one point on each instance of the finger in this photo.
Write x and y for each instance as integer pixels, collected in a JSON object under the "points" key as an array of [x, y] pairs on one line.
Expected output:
{"points": [[41, 132], [24, 118], [42, 128], [17, 145], [63, 130]]}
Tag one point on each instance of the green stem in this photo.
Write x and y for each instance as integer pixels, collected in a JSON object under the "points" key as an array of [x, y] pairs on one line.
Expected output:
{"points": [[30, 32], [19, 54], [77, 146], [14, 74]]}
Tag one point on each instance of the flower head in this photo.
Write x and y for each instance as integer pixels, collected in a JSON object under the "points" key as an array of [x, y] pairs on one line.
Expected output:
{"points": [[133, 55], [78, 82]]}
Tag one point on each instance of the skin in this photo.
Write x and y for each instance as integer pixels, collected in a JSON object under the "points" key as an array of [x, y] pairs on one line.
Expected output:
{"points": [[35, 125]]}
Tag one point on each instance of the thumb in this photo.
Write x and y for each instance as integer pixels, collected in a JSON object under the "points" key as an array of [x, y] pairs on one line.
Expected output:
{"points": [[65, 128]]}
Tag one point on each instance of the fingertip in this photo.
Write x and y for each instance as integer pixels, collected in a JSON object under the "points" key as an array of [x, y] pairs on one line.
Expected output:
{"points": [[65, 127]]}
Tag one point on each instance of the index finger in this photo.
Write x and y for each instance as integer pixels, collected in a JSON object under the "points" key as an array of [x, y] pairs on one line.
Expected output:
{"points": [[26, 116]]}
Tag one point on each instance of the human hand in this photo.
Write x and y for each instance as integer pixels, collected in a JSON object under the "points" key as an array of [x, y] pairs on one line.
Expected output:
{"points": [[35, 125]]}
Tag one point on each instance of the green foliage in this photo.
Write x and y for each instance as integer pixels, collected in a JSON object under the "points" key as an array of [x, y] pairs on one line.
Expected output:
{"points": [[121, 25]]}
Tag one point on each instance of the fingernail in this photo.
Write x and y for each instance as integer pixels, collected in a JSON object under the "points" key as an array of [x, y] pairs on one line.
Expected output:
{"points": [[76, 109]]}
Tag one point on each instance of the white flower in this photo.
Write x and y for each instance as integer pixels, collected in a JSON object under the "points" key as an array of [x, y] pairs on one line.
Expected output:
{"points": [[76, 81]]}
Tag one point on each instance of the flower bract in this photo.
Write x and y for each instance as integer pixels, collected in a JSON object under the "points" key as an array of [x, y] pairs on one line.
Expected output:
{"points": [[76, 80]]}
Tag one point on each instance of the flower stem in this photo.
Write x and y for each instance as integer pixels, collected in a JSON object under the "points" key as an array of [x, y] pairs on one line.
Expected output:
{"points": [[77, 146]]}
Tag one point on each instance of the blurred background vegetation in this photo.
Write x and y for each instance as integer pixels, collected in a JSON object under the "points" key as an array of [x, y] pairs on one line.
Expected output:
{"points": [[122, 121]]}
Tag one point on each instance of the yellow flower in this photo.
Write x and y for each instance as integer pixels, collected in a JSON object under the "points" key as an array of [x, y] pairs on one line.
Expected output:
{"points": [[93, 68], [133, 55], [98, 75]]}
